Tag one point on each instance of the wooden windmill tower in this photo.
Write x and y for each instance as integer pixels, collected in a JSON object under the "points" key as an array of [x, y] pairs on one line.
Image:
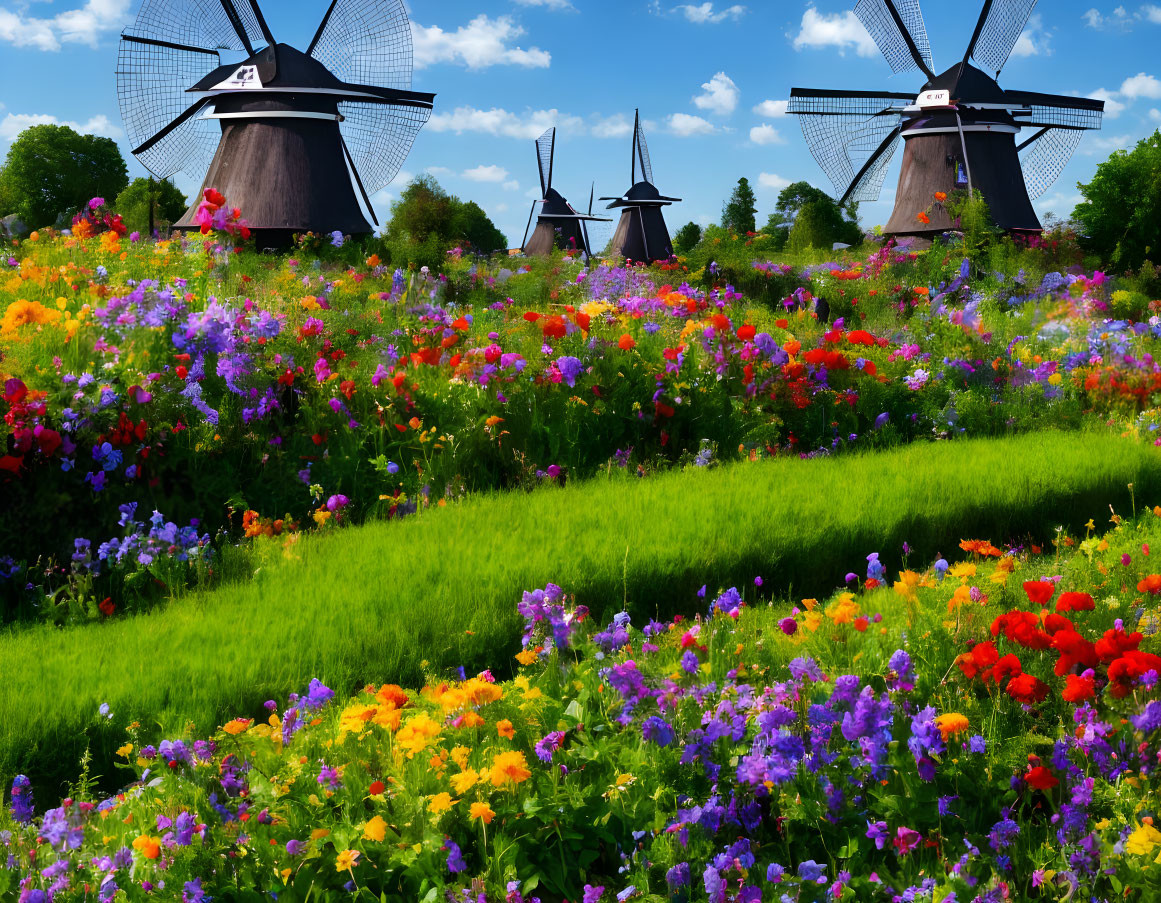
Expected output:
{"points": [[287, 136], [962, 130], [558, 225], [641, 234]]}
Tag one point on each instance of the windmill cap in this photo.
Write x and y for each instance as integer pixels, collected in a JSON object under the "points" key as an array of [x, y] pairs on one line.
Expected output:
{"points": [[279, 66], [967, 83]]}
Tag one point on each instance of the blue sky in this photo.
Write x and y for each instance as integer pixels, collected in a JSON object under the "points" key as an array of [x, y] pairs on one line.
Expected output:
{"points": [[708, 77]]}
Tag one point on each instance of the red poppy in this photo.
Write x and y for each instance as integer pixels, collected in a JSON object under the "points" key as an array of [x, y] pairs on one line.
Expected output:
{"points": [[1022, 627], [582, 320], [1115, 643], [376, 788], [1073, 601], [626, 342], [1128, 669], [461, 323], [745, 333], [107, 608], [1039, 591], [982, 657], [531, 316], [1027, 689], [860, 337], [720, 322], [1074, 650], [554, 328], [1041, 778], [1150, 584], [1008, 666], [1078, 688]]}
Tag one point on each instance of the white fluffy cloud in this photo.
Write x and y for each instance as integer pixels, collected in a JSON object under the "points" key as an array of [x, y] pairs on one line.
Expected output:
{"points": [[1113, 107], [772, 180], [1103, 145], [1120, 18], [482, 43], [1141, 85], [1034, 40], [719, 95], [499, 122], [511, 185], [618, 126], [841, 30], [1155, 114], [704, 13], [15, 123], [685, 126], [85, 25], [1151, 13], [772, 109], [766, 134], [483, 173]]}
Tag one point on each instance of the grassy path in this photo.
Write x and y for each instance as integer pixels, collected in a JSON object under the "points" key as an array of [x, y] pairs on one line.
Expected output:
{"points": [[376, 602]]}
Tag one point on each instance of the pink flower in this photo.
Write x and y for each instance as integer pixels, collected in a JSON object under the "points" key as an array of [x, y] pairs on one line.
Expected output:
{"points": [[906, 840]]}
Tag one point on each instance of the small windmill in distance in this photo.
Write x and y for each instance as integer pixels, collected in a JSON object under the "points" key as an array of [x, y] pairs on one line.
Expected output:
{"points": [[641, 234], [959, 131], [558, 225], [289, 137]]}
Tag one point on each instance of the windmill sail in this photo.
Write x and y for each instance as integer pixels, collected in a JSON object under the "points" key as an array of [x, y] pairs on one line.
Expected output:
{"points": [[898, 30], [641, 153], [559, 225], [545, 147], [641, 235], [1001, 23]]}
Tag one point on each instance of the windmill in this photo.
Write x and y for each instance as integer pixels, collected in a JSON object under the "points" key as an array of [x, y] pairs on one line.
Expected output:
{"points": [[289, 137], [558, 225], [642, 234], [962, 130]]}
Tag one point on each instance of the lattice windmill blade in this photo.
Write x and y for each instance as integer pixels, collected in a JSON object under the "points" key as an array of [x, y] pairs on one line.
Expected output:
{"points": [[545, 154], [898, 29], [379, 137], [1056, 110], [1000, 24], [641, 153], [170, 47], [1044, 156], [366, 42], [868, 181], [844, 129]]}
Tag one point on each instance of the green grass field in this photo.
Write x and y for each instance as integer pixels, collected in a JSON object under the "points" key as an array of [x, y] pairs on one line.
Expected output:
{"points": [[392, 601]]}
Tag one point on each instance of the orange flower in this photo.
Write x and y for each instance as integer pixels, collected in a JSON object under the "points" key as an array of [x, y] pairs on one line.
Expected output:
{"points": [[509, 767], [482, 811], [626, 342], [505, 729], [1150, 584], [923, 218], [149, 847], [941, 196], [237, 726], [373, 261], [951, 723]]}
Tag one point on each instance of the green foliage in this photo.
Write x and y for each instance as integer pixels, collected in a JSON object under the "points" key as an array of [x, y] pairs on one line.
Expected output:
{"points": [[169, 205], [686, 238], [778, 228], [798, 523], [739, 211], [820, 224], [52, 172], [1121, 212], [974, 218], [426, 222]]}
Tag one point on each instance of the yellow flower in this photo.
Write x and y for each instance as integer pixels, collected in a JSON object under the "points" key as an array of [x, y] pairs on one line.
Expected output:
{"points": [[533, 693], [440, 803], [482, 811], [963, 570], [951, 723], [375, 829], [465, 780], [527, 657], [459, 755], [319, 833], [962, 596], [355, 718], [125, 750], [346, 860], [417, 733], [237, 726], [509, 767], [844, 610], [1143, 840]]}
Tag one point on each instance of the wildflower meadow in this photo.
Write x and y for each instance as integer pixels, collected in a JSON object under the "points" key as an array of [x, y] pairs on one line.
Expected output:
{"points": [[749, 576]]}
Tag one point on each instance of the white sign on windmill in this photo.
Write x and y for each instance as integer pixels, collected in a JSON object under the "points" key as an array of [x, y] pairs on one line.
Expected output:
{"points": [[245, 78], [931, 99]]}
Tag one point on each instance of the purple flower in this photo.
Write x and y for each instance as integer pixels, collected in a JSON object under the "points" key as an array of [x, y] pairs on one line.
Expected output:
{"points": [[678, 876], [657, 730], [549, 744], [294, 847], [22, 799], [570, 368], [317, 695], [877, 831], [689, 662], [593, 894], [193, 893], [1150, 719], [455, 857]]}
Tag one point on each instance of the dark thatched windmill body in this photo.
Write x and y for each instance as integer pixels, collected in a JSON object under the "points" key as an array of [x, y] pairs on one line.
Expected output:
{"points": [[962, 130], [558, 225], [641, 234], [287, 136]]}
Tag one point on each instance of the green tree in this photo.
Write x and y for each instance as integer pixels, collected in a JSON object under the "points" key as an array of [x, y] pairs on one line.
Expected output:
{"points": [[169, 204], [51, 171], [686, 238], [1121, 211], [471, 223], [426, 221], [739, 211], [819, 224]]}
